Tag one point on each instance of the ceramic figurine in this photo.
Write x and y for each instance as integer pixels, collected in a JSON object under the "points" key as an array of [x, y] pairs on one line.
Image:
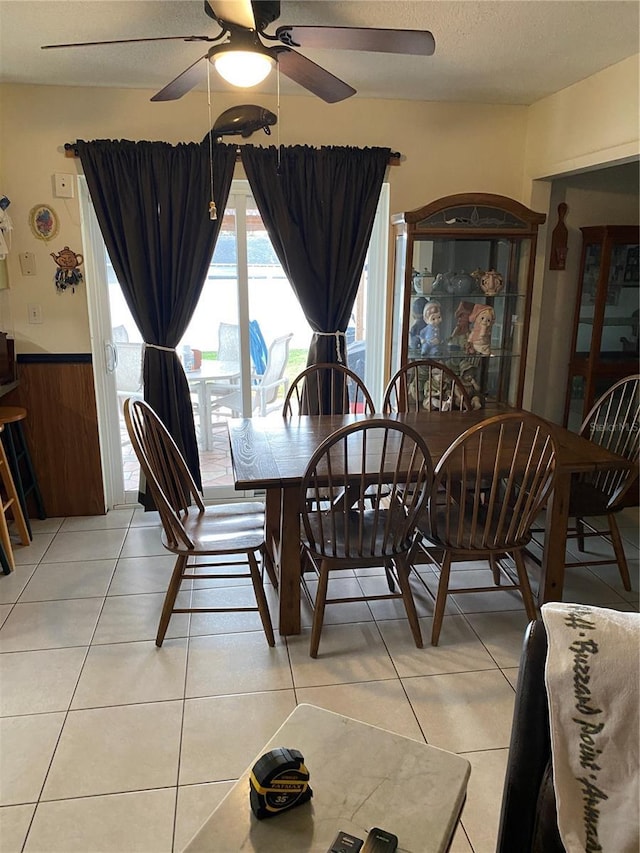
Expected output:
{"points": [[491, 283], [418, 323], [468, 377], [482, 319], [434, 392], [427, 280], [441, 283], [457, 340], [431, 342], [461, 284], [476, 275]]}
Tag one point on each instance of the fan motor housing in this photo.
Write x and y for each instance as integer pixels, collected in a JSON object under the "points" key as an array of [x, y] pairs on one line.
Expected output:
{"points": [[264, 12]]}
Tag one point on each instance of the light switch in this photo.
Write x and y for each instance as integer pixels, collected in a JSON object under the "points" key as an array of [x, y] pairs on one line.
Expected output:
{"points": [[27, 263], [35, 312]]}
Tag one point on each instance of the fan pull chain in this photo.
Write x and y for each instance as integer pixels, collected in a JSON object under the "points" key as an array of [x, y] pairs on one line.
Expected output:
{"points": [[213, 213], [278, 168]]}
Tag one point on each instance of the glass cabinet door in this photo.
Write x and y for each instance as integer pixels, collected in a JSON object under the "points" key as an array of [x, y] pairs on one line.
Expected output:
{"points": [[463, 290], [605, 343], [470, 315]]}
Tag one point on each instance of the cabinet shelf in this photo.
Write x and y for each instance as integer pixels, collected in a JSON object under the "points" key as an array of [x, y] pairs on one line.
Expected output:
{"points": [[489, 235], [609, 321]]}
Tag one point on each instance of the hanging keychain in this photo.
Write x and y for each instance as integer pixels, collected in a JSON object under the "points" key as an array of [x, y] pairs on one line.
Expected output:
{"points": [[67, 274]]}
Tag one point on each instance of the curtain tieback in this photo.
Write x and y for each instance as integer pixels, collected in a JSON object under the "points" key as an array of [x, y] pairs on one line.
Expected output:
{"points": [[335, 335], [157, 346]]}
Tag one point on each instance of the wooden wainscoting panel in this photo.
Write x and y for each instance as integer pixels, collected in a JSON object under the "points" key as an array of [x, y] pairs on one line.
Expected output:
{"points": [[62, 432]]}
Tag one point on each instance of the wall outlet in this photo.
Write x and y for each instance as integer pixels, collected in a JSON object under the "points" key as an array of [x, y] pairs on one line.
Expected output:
{"points": [[27, 263], [63, 185], [34, 310]]}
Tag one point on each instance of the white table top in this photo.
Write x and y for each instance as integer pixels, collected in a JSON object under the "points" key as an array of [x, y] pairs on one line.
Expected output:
{"points": [[361, 776], [214, 370]]}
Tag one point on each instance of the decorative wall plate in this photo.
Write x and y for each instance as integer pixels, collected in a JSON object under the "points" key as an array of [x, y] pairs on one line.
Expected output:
{"points": [[43, 221]]}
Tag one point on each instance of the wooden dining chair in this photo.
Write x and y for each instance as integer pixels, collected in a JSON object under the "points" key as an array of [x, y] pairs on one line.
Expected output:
{"points": [[192, 530], [487, 490], [614, 423], [327, 389], [425, 384], [371, 480]]}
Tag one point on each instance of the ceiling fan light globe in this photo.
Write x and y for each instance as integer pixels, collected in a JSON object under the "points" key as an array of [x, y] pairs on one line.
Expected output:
{"points": [[243, 68]]}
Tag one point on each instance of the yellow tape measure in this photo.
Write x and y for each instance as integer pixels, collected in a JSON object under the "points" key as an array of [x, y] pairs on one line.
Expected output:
{"points": [[278, 781]]}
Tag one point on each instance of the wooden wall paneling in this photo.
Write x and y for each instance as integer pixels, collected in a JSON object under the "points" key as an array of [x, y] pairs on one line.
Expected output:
{"points": [[62, 431]]}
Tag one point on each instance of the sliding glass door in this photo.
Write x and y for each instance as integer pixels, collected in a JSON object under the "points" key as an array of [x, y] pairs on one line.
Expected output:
{"points": [[247, 339]]}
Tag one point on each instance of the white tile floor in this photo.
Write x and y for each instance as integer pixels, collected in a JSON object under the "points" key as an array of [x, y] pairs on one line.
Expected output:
{"points": [[109, 744]]}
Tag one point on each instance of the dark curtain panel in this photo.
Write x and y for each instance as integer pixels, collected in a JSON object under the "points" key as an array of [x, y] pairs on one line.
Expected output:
{"points": [[152, 204], [318, 206]]}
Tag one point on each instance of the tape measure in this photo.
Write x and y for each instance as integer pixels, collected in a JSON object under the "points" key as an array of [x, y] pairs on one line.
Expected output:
{"points": [[278, 781]]}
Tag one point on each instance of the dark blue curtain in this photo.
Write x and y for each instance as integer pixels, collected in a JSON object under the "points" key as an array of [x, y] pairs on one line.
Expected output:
{"points": [[318, 206], [152, 204]]}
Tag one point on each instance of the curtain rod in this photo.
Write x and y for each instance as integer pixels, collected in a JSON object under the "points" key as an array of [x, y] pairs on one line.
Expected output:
{"points": [[71, 150]]}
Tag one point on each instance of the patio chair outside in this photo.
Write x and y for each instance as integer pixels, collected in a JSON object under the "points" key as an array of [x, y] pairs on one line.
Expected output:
{"points": [[129, 371], [266, 389]]}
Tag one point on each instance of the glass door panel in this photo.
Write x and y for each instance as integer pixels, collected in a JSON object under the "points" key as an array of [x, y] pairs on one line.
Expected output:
{"points": [[245, 297]]}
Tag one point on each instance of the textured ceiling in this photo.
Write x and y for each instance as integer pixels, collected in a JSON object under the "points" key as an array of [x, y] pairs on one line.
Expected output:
{"points": [[492, 51]]}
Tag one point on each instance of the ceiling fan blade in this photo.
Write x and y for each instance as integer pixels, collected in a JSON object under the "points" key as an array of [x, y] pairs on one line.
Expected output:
{"points": [[183, 83], [238, 12], [131, 41], [417, 42], [313, 77]]}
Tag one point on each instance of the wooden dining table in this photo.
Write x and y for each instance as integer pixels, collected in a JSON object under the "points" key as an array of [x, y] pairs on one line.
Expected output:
{"points": [[272, 454]]}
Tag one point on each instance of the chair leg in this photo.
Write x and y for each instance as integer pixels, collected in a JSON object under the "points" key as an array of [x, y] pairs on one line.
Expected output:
{"points": [[261, 598], [495, 568], [525, 587], [580, 533], [441, 598], [5, 539], [389, 573], [618, 547], [12, 503], [318, 610], [404, 568], [170, 598], [267, 562]]}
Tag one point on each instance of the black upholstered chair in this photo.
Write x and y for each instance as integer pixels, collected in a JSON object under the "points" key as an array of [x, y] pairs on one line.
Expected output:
{"points": [[528, 821]]}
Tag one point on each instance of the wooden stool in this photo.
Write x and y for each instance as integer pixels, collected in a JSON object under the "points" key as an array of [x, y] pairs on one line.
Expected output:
{"points": [[19, 460], [10, 502]]}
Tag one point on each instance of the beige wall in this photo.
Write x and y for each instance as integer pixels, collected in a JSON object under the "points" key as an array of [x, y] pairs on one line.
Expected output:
{"points": [[609, 197], [593, 123], [447, 148]]}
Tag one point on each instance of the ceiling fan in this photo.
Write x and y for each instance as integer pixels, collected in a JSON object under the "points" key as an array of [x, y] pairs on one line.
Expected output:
{"points": [[242, 38]]}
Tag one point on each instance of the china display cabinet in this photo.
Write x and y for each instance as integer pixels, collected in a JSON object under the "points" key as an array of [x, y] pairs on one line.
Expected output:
{"points": [[462, 291], [605, 333]]}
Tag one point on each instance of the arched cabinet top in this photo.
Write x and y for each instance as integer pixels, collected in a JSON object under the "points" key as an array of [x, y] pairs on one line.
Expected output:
{"points": [[471, 213]]}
